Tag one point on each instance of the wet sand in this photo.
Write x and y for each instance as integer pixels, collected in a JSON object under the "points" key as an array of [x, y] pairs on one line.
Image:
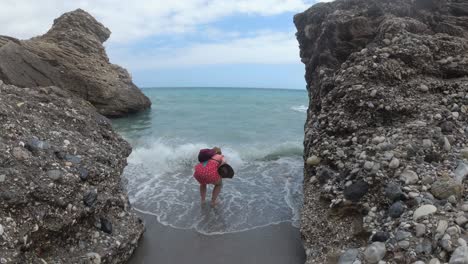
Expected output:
{"points": [[275, 244]]}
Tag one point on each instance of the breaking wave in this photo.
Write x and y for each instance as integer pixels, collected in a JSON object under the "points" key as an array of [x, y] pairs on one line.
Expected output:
{"points": [[267, 188]]}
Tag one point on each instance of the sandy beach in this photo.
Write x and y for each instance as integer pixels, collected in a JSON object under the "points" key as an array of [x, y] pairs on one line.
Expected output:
{"points": [[275, 244]]}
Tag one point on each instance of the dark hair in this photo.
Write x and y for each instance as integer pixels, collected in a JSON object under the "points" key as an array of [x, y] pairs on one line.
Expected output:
{"points": [[205, 154]]}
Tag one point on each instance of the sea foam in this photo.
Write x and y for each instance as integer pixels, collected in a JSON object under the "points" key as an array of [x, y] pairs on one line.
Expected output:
{"points": [[265, 190]]}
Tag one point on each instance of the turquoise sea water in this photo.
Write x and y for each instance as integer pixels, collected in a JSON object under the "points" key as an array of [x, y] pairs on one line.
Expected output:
{"points": [[260, 132]]}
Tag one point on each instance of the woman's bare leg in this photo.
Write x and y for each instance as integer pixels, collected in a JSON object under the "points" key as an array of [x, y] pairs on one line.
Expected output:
{"points": [[203, 192], [216, 191]]}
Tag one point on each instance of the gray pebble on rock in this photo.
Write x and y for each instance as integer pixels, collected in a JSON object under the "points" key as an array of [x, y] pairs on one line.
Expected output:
{"points": [[424, 210], [420, 229], [375, 252], [349, 256], [72, 158], [393, 192], [459, 256], [409, 177], [35, 145], [404, 244], [395, 163], [83, 173], [461, 172], [401, 235], [55, 175], [461, 220], [396, 210], [446, 187], [425, 246], [92, 258], [90, 197], [356, 191]]}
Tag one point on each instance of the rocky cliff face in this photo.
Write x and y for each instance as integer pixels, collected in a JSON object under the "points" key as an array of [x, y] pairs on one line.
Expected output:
{"points": [[71, 56], [386, 145], [61, 199]]}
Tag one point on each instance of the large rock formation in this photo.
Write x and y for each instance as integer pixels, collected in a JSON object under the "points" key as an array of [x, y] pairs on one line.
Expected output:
{"points": [[71, 56], [386, 145], [61, 199]]}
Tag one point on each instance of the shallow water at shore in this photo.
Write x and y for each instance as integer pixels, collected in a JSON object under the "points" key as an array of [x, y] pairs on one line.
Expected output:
{"points": [[260, 132]]}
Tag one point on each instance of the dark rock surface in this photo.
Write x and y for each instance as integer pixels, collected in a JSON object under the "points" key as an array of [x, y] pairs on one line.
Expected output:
{"points": [[388, 89], [71, 55], [47, 212]]}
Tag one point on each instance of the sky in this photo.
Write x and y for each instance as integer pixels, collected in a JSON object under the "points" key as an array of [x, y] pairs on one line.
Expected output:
{"points": [[181, 43]]}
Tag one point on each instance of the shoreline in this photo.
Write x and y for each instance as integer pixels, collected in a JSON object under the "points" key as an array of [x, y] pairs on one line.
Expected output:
{"points": [[161, 244]]}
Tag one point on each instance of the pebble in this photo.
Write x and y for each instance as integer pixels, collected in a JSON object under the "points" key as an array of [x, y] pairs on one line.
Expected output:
{"points": [[396, 210], [453, 230], [409, 177], [464, 153], [93, 258], [72, 158], [452, 199], [1, 230], [2, 177], [455, 115], [424, 210], [368, 165], [459, 256], [461, 172], [395, 163], [423, 88], [378, 140], [313, 161], [349, 256], [461, 220], [20, 154], [393, 192], [434, 261], [375, 252], [446, 187], [83, 173], [380, 237], [447, 146], [55, 175], [464, 208], [35, 145], [106, 225], [425, 246], [404, 244], [441, 227], [90, 197], [402, 235], [427, 143], [356, 191], [420, 230]]}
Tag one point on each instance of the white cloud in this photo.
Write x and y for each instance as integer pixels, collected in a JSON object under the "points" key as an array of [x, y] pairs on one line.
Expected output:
{"points": [[262, 48], [132, 20]]}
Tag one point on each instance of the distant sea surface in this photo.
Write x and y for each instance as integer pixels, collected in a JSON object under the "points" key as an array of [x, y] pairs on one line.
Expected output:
{"points": [[260, 132]]}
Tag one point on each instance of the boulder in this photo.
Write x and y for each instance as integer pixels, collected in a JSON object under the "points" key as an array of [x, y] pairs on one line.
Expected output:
{"points": [[71, 55]]}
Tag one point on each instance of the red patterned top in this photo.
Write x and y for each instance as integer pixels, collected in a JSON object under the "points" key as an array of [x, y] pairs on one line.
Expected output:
{"points": [[207, 172]]}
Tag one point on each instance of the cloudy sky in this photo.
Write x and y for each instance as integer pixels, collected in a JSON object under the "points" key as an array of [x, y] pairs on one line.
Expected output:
{"points": [[167, 43]]}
